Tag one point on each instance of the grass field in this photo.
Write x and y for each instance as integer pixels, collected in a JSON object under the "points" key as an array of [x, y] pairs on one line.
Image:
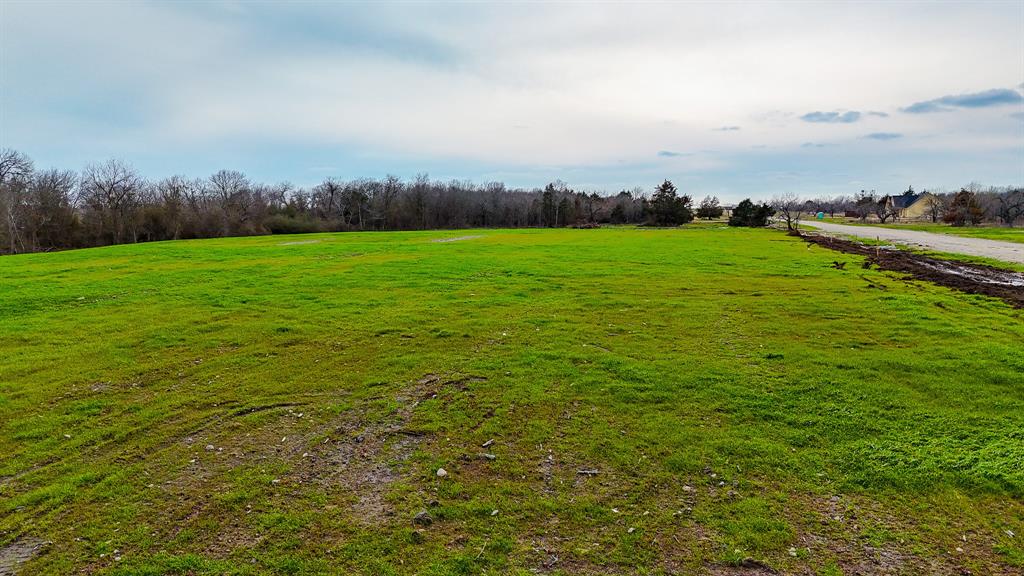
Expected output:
{"points": [[991, 232], [280, 405]]}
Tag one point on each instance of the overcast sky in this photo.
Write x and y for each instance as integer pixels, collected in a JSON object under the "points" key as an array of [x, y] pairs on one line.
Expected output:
{"points": [[729, 99]]}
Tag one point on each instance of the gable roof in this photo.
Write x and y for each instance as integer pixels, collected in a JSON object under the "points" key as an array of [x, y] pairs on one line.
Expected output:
{"points": [[905, 200]]}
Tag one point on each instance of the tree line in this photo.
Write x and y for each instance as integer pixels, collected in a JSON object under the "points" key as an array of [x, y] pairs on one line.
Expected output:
{"points": [[111, 203]]}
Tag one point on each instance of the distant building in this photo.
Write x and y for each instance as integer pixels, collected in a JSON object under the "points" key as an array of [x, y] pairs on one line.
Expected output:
{"points": [[911, 206], [727, 210]]}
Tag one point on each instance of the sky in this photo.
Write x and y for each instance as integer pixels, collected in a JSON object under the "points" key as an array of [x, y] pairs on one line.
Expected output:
{"points": [[730, 99]]}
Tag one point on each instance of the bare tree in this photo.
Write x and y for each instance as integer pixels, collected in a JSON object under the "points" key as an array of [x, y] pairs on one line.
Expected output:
{"points": [[790, 208], [864, 204], [885, 209], [1011, 206], [15, 171], [52, 221], [228, 189], [937, 204], [179, 198], [112, 191]]}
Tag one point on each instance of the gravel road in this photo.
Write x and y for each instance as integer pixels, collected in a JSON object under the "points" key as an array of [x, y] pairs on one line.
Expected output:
{"points": [[1005, 251]]}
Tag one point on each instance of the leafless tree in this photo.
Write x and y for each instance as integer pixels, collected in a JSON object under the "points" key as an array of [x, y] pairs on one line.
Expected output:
{"points": [[327, 198], [885, 209], [15, 171], [790, 208], [229, 190], [864, 204], [937, 203], [1011, 206], [112, 191], [52, 221]]}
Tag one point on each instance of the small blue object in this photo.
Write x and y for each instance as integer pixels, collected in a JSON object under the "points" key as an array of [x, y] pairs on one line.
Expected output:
{"points": [[821, 215]]}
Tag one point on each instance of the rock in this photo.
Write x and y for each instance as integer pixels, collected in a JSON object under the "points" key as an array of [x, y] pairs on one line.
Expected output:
{"points": [[792, 552], [441, 472], [494, 512], [210, 447], [488, 444], [631, 530], [417, 537], [434, 504], [489, 456], [422, 518], [588, 472]]}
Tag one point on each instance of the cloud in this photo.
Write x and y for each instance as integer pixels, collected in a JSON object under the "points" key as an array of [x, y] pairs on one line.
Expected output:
{"points": [[879, 114], [277, 89], [813, 145], [1018, 116], [883, 136], [984, 99], [832, 117]]}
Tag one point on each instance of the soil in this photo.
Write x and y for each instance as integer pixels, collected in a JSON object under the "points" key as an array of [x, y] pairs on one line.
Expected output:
{"points": [[962, 276], [18, 552]]}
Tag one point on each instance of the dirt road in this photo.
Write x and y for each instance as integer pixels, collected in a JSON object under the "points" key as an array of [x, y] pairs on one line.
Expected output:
{"points": [[1005, 251]]}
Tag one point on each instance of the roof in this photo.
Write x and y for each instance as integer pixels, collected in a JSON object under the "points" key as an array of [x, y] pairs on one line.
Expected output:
{"points": [[905, 200]]}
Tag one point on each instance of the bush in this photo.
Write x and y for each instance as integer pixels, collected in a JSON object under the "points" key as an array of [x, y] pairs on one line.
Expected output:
{"points": [[283, 224], [751, 215]]}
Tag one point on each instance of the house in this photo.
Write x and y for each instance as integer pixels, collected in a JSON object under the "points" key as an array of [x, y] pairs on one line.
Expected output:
{"points": [[910, 206]]}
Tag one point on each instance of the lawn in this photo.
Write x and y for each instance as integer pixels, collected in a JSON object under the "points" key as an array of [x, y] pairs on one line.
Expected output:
{"points": [[704, 400]]}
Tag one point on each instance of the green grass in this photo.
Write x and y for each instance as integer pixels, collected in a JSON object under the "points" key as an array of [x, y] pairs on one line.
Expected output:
{"points": [[991, 232], [739, 397], [968, 258]]}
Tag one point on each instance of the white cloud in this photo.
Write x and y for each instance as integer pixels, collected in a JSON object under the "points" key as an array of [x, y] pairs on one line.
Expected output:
{"points": [[519, 85]]}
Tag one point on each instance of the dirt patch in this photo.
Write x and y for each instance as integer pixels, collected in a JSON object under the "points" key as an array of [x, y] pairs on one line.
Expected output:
{"points": [[962, 276], [365, 457], [456, 239], [299, 242], [17, 553], [840, 530]]}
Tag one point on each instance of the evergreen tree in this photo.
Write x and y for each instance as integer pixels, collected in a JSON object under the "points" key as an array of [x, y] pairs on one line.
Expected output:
{"points": [[751, 215], [668, 208], [548, 206]]}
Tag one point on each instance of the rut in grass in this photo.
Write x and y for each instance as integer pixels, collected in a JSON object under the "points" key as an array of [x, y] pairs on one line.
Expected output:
{"points": [[962, 276]]}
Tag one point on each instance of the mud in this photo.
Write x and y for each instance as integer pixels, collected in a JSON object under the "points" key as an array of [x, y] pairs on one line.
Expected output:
{"points": [[17, 553], [962, 276]]}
